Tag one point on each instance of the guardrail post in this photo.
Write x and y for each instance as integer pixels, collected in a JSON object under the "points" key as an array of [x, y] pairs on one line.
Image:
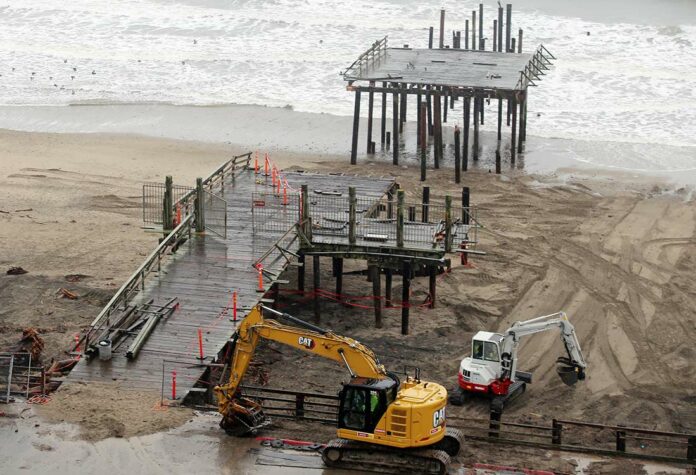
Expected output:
{"points": [[691, 449], [200, 213], [400, 218], [306, 219], [299, 405], [556, 432], [351, 215], [448, 223], [621, 441], [167, 205]]}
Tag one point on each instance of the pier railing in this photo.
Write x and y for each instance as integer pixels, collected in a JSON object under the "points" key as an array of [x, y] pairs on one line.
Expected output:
{"points": [[534, 69], [374, 54]]}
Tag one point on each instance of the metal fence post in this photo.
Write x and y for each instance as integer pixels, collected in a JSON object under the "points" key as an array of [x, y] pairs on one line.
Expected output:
{"points": [[400, 218], [200, 213], [351, 215]]}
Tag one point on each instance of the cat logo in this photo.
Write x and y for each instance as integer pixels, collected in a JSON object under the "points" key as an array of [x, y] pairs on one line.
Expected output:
{"points": [[439, 417], [306, 342]]}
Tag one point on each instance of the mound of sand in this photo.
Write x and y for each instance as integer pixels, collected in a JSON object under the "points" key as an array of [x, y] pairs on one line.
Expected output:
{"points": [[102, 411]]}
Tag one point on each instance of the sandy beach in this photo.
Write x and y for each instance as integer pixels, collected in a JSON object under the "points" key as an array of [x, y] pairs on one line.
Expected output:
{"points": [[616, 253]]}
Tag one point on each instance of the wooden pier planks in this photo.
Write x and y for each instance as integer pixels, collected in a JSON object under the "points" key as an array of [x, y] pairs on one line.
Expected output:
{"points": [[202, 275]]}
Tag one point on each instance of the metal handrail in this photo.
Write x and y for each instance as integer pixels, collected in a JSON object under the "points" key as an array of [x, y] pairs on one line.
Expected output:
{"points": [[140, 273], [379, 45]]}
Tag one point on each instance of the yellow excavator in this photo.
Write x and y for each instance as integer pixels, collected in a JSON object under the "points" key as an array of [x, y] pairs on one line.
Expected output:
{"points": [[383, 424]]}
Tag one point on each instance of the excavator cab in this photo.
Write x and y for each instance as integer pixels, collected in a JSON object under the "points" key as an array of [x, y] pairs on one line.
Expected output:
{"points": [[364, 401]]}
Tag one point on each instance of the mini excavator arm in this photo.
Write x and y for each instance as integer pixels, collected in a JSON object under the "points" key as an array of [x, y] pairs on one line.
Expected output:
{"points": [[359, 360], [571, 368]]}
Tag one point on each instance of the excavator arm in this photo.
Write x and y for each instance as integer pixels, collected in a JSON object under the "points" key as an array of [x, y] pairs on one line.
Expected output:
{"points": [[359, 360], [570, 368]]}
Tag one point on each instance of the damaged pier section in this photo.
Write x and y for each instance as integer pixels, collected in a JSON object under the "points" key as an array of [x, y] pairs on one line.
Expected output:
{"points": [[436, 78], [227, 243]]}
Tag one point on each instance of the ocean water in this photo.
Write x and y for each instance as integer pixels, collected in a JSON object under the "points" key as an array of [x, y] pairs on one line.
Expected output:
{"points": [[631, 80]]}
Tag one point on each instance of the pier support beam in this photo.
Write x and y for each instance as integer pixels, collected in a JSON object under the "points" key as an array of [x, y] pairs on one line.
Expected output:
{"points": [[500, 118], [301, 273], [475, 150], [383, 132], [376, 294], [405, 296], [465, 145], [513, 106], [395, 128], [370, 105], [316, 268], [356, 128], [437, 130], [388, 275], [432, 270], [338, 267]]}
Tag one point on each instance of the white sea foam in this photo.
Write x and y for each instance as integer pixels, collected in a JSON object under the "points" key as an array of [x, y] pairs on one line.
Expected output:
{"points": [[623, 82]]}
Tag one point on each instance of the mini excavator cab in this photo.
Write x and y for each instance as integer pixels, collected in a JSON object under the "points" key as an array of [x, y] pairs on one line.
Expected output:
{"points": [[364, 401]]}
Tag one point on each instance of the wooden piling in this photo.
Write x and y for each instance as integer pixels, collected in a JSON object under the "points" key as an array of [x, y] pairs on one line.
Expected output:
{"points": [[384, 115], [395, 128], [423, 141], [388, 273], [508, 25], [512, 45], [430, 38], [437, 126], [338, 264], [448, 223], [405, 295], [445, 98], [481, 108], [432, 281], [521, 123], [500, 118], [168, 205], [465, 147], [519, 40], [465, 204], [495, 35], [475, 151], [402, 110], [376, 295], [473, 30], [442, 28], [426, 204], [457, 157], [429, 102], [200, 208], [356, 128], [351, 215], [418, 117], [514, 130], [500, 28], [480, 20], [301, 272], [370, 105], [400, 218], [466, 34], [316, 268], [497, 159]]}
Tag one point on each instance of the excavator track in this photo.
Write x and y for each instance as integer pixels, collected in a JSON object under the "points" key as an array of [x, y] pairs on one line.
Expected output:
{"points": [[352, 455]]}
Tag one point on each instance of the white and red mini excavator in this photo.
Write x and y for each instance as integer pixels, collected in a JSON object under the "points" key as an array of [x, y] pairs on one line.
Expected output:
{"points": [[491, 370]]}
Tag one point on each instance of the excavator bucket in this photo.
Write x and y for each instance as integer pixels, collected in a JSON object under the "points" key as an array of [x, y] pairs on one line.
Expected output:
{"points": [[568, 373]]}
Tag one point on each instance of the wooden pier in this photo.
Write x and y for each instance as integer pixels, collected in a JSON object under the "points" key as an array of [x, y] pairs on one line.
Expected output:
{"points": [[227, 243], [439, 77]]}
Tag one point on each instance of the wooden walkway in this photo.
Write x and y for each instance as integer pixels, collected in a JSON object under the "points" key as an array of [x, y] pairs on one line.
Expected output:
{"points": [[202, 275]]}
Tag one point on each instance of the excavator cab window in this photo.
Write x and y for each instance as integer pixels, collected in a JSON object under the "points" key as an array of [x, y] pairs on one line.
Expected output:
{"points": [[490, 351], [477, 350], [362, 407]]}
